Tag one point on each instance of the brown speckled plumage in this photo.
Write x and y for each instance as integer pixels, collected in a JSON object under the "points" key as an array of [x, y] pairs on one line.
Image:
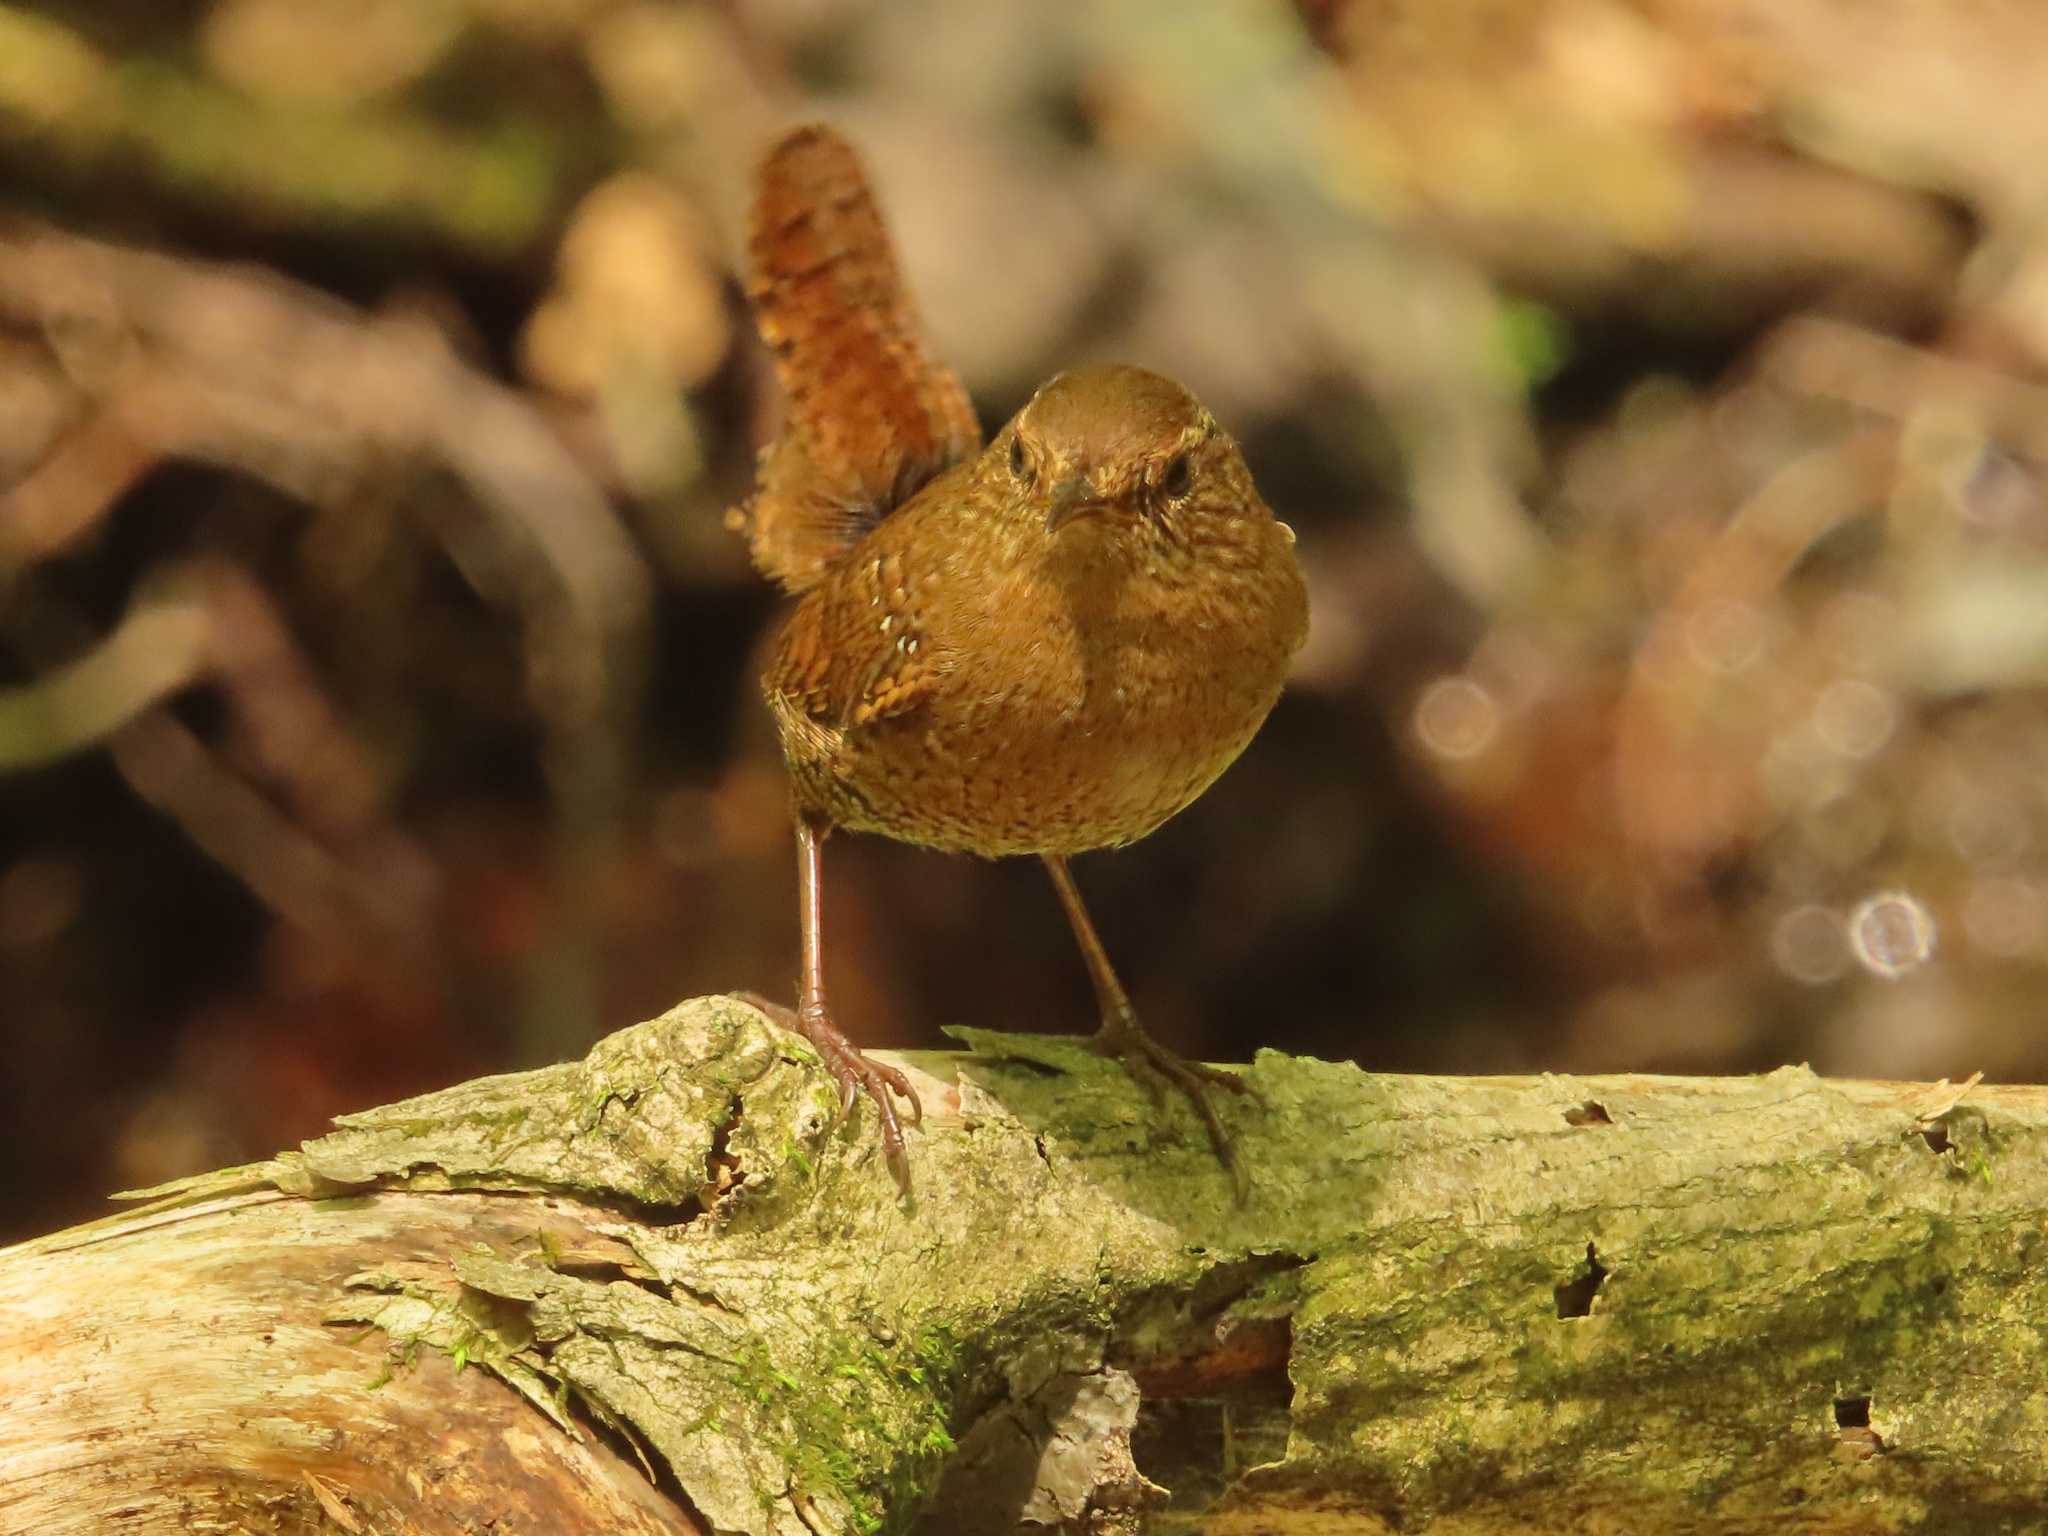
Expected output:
{"points": [[1047, 647], [968, 680]]}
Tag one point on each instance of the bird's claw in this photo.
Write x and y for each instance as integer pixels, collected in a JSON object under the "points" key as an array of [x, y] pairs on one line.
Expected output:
{"points": [[856, 1075], [1159, 1068]]}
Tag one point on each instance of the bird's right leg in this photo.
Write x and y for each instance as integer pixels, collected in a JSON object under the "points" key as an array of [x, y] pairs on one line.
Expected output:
{"points": [[813, 1020]]}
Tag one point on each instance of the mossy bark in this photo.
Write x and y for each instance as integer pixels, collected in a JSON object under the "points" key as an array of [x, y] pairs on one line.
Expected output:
{"points": [[664, 1289]]}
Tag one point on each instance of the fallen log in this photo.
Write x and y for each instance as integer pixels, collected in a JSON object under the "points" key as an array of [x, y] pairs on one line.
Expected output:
{"points": [[667, 1289]]}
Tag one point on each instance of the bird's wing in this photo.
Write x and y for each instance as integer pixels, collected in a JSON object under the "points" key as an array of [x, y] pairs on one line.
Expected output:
{"points": [[872, 417], [865, 655]]}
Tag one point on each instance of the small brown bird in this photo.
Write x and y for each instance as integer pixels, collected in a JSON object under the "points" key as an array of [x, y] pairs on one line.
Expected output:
{"points": [[1044, 647]]}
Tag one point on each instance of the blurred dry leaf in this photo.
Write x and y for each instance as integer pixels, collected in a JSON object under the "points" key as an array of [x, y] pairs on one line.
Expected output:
{"points": [[1605, 150], [664, 68], [635, 293], [331, 52], [636, 319]]}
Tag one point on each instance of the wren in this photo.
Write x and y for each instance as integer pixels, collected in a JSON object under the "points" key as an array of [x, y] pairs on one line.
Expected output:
{"points": [[1045, 646]]}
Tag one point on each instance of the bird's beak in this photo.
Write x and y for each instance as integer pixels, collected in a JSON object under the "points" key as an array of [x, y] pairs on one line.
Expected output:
{"points": [[1073, 497]]}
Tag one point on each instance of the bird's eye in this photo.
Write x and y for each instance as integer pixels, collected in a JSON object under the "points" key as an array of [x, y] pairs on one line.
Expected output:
{"points": [[1178, 477], [1020, 462]]}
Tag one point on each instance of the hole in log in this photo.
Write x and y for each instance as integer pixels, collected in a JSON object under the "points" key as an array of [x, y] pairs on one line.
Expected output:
{"points": [[721, 1163], [1575, 1296], [1199, 1446], [1592, 1112], [1935, 1134], [1857, 1441]]}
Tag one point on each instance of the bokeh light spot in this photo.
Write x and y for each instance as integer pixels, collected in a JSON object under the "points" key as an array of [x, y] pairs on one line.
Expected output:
{"points": [[1456, 718], [1808, 945], [1892, 934], [1853, 717], [1727, 637]]}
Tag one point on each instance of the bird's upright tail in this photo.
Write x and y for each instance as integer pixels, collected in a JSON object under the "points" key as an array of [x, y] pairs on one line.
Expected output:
{"points": [[870, 416]]}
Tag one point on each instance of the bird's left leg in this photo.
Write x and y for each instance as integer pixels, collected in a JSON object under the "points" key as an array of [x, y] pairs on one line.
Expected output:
{"points": [[1124, 1037]]}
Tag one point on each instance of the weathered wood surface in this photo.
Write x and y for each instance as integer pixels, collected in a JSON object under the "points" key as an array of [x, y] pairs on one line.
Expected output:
{"points": [[660, 1290]]}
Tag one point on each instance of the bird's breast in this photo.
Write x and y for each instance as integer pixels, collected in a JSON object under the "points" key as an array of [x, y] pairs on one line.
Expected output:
{"points": [[1061, 729]]}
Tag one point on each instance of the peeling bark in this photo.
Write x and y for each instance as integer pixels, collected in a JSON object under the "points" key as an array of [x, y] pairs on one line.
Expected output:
{"points": [[663, 1290]]}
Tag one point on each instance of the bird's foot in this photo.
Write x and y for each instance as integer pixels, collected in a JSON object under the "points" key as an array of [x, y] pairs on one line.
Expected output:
{"points": [[855, 1075], [1158, 1068]]}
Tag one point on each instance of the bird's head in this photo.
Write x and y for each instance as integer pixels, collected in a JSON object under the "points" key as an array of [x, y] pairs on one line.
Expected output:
{"points": [[1128, 450]]}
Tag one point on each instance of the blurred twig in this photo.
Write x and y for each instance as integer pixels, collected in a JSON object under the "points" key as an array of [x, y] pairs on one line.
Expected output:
{"points": [[328, 859], [386, 891], [257, 374], [158, 649], [240, 369], [1892, 379]]}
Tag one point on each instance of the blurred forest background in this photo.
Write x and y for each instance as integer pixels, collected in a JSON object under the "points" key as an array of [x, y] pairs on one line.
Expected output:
{"points": [[1657, 388]]}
